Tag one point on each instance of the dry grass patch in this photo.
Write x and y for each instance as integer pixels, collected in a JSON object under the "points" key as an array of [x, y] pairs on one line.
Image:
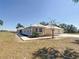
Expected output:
{"points": [[10, 47]]}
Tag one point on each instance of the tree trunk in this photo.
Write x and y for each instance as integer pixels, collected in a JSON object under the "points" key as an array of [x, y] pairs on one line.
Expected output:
{"points": [[52, 33]]}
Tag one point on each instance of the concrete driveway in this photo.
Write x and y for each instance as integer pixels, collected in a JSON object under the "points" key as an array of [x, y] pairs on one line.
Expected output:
{"points": [[69, 35], [49, 37], [27, 38]]}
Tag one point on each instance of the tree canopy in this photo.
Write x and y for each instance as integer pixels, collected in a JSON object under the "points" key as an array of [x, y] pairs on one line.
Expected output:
{"points": [[19, 25], [1, 22], [67, 28], [76, 1], [44, 23]]}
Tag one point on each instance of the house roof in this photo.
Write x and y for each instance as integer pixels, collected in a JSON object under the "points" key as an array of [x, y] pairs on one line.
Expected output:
{"points": [[55, 27], [20, 28], [38, 25], [48, 26]]}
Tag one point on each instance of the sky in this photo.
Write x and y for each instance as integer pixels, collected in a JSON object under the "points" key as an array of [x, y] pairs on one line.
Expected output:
{"points": [[29, 12]]}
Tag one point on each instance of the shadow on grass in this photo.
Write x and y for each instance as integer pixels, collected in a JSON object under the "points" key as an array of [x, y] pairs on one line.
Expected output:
{"points": [[76, 42]]}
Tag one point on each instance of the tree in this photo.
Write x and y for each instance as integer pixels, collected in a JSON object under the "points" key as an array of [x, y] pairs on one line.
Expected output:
{"points": [[76, 1], [52, 24], [68, 28], [71, 29], [1, 22], [64, 26], [78, 30], [19, 26], [44, 23]]}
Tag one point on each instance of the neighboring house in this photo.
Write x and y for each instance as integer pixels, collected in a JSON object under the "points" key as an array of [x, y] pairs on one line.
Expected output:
{"points": [[41, 29]]}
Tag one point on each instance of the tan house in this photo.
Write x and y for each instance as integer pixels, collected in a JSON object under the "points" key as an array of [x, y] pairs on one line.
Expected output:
{"points": [[41, 29]]}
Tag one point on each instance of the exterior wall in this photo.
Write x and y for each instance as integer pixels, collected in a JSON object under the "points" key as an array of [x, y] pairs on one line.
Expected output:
{"points": [[38, 30], [45, 31], [56, 31]]}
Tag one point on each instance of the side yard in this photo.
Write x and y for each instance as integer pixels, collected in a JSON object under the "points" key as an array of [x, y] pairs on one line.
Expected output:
{"points": [[11, 47]]}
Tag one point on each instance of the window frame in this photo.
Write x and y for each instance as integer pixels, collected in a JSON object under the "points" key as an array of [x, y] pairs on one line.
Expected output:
{"points": [[40, 29]]}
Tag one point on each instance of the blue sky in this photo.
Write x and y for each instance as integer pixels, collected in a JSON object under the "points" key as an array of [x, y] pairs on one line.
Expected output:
{"points": [[29, 12]]}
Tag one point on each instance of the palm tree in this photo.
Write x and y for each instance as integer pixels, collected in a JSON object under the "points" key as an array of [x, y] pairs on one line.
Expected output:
{"points": [[1, 22]]}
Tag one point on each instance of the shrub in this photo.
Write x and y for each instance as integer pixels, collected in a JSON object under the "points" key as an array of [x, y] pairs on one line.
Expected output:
{"points": [[46, 53], [70, 54], [35, 34], [52, 53]]}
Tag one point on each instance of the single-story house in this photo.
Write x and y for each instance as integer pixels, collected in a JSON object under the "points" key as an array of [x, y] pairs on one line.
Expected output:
{"points": [[41, 29]]}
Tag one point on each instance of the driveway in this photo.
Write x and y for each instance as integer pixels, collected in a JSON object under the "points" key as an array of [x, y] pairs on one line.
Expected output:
{"points": [[49, 37], [27, 38], [69, 35]]}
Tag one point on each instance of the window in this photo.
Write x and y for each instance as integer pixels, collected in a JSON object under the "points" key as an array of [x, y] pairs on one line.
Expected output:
{"points": [[36, 29], [40, 29]]}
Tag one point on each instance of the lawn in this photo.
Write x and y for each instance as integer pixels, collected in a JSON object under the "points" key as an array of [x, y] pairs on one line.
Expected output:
{"points": [[13, 47]]}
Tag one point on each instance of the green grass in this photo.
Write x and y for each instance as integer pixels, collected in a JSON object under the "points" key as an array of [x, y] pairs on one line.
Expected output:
{"points": [[11, 47]]}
